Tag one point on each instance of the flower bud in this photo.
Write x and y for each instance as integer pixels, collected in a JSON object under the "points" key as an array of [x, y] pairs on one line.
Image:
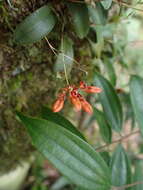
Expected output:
{"points": [[75, 100], [58, 105], [93, 89], [86, 107]]}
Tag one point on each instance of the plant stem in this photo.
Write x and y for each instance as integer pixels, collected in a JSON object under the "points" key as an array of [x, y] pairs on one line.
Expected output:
{"points": [[51, 47], [127, 186], [126, 5], [65, 70], [55, 51], [117, 140], [66, 77]]}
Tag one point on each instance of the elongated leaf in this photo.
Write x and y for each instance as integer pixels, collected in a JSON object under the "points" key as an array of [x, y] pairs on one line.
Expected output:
{"points": [[99, 33], [72, 156], [105, 128], [60, 183], [136, 93], [99, 46], [110, 102], [110, 70], [106, 3], [35, 26], [105, 155], [121, 169], [66, 57], [128, 109], [79, 13], [138, 175], [97, 14], [80, 188], [60, 120]]}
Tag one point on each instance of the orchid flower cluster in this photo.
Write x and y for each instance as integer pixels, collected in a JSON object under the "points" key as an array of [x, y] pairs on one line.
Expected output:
{"points": [[75, 97]]}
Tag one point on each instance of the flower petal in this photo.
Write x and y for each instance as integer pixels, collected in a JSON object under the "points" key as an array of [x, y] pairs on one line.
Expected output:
{"points": [[92, 89], [86, 107], [82, 85], [58, 105], [75, 101]]}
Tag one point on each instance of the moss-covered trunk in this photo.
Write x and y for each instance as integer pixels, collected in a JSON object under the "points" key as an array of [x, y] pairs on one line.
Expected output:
{"points": [[27, 79]]}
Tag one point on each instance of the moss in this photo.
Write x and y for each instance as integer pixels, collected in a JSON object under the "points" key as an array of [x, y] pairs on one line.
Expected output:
{"points": [[27, 80]]}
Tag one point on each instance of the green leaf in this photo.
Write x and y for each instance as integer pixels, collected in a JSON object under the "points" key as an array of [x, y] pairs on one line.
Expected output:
{"points": [[106, 3], [92, 35], [57, 118], [110, 102], [138, 175], [60, 183], [98, 17], [120, 166], [72, 156], [99, 46], [97, 14], [99, 34], [128, 109], [80, 17], [104, 127], [136, 93], [65, 56], [110, 70], [105, 155], [79, 188], [35, 26]]}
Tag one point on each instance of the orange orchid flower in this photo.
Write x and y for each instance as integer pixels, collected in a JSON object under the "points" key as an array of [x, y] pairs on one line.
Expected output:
{"points": [[59, 103], [85, 105], [89, 89], [76, 98]]}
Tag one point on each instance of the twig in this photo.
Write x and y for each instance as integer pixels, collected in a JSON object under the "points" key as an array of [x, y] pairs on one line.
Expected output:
{"points": [[115, 1], [55, 51], [117, 140], [126, 5], [127, 186], [76, 1], [51, 47]]}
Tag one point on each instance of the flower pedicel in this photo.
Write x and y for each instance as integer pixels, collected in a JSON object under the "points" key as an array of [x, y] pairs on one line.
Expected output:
{"points": [[75, 97]]}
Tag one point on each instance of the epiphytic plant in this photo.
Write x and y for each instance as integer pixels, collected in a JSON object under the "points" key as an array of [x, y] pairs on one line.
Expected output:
{"points": [[76, 98]]}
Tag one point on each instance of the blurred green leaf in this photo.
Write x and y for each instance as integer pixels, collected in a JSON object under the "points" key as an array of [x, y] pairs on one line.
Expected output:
{"points": [[35, 26], [98, 17], [106, 3], [105, 129], [57, 118], [98, 47], [110, 70], [97, 14], [138, 175], [60, 183], [99, 33], [136, 93], [41, 187], [72, 156], [110, 102], [92, 36], [121, 168], [65, 56], [79, 13], [128, 110], [105, 155]]}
